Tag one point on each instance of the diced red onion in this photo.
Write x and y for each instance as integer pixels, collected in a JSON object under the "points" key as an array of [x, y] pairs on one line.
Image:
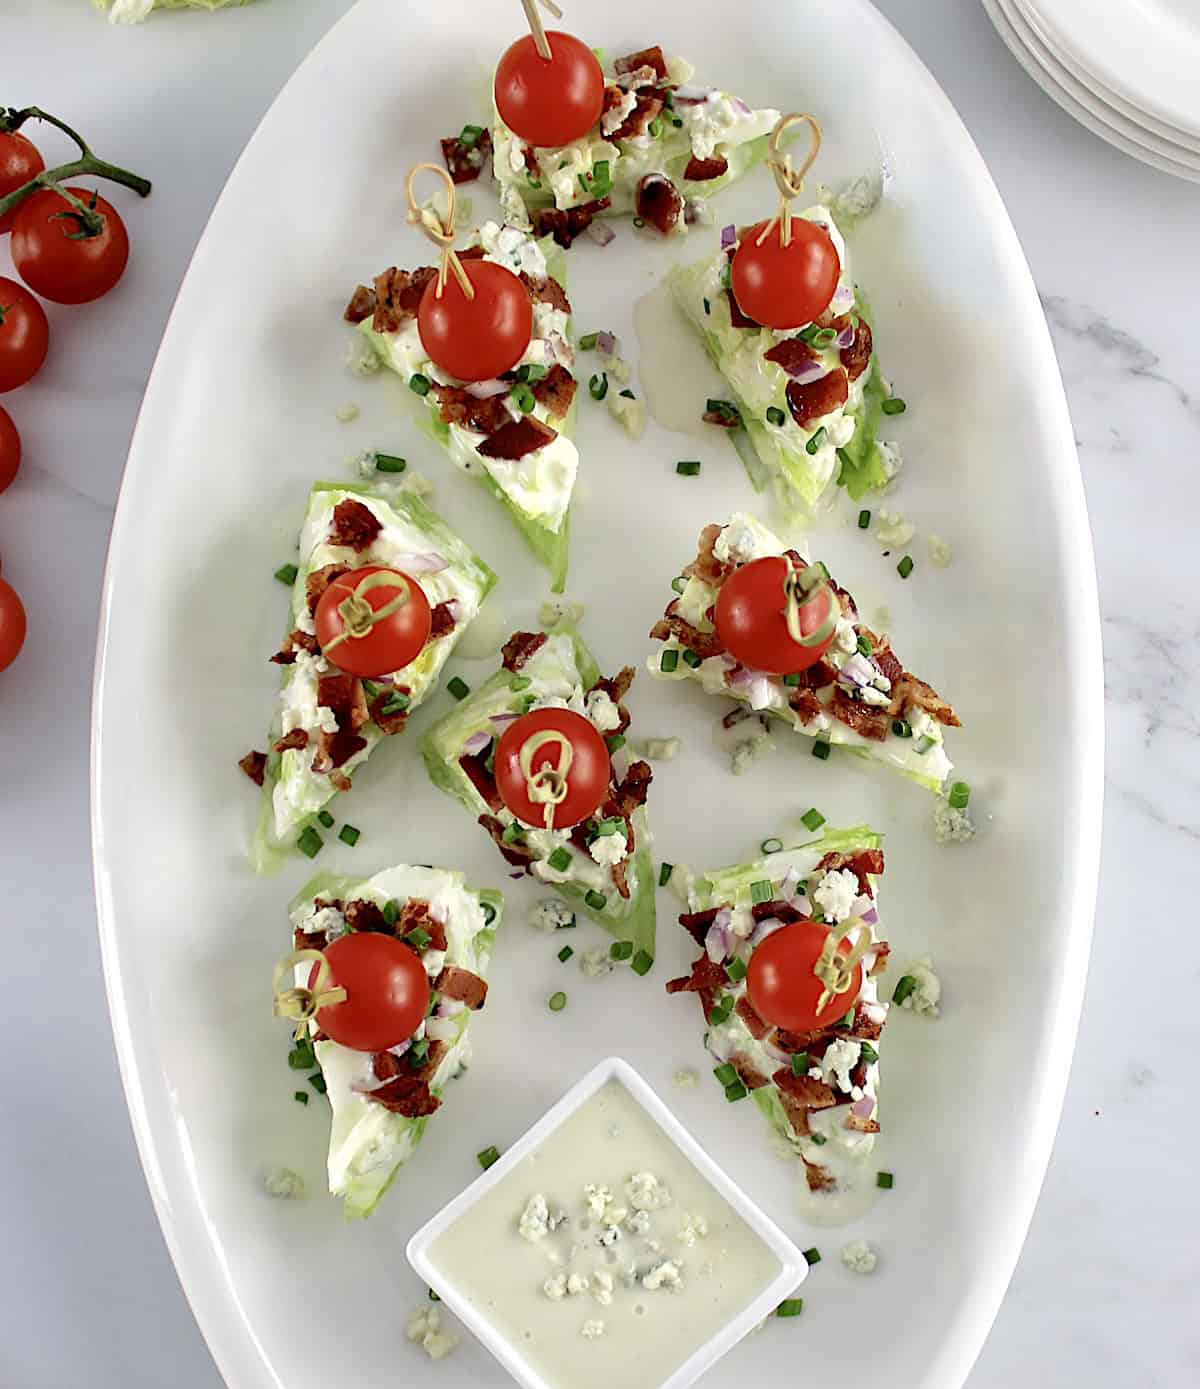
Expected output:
{"points": [[728, 236], [690, 96], [864, 1108], [870, 916], [454, 608], [476, 743], [807, 371], [718, 941], [857, 670], [779, 1053], [601, 233], [450, 1007], [428, 563], [558, 349], [441, 1029], [843, 299], [517, 873], [501, 720], [766, 927], [607, 343], [620, 764], [484, 390], [755, 684], [846, 337], [791, 880], [740, 106], [644, 76]]}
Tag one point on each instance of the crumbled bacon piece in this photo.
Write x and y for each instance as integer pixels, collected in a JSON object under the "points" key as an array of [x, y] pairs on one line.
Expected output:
{"points": [[616, 689], [857, 356], [805, 704], [646, 108], [754, 1024], [441, 620], [706, 566], [737, 318], [804, 1090], [336, 749], [297, 738], [295, 641], [702, 170], [866, 719], [910, 692], [644, 58], [707, 979], [619, 872], [354, 525], [748, 1073], [462, 985], [565, 224], [308, 940], [518, 854], [433, 1059], [630, 793], [704, 644], [545, 289], [556, 390], [697, 924], [466, 162], [254, 764], [813, 400], [659, 203], [778, 910], [882, 952], [517, 438], [790, 354], [319, 580], [344, 695], [398, 296], [406, 1094], [519, 648], [386, 1065], [818, 1178], [482, 414], [361, 305], [416, 916], [389, 723], [340, 781], [481, 779], [364, 915], [860, 1125], [861, 863]]}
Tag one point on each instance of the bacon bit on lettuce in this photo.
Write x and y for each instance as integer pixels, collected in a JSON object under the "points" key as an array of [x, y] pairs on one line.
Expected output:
{"points": [[319, 580], [463, 986], [517, 438], [336, 749], [748, 1073], [630, 793], [296, 739], [857, 356], [417, 916], [805, 704], [659, 202], [864, 719], [343, 694], [860, 864], [406, 1094], [361, 305], [706, 566], [707, 978], [644, 58], [364, 915], [616, 689], [556, 391], [398, 295], [704, 644], [518, 854], [818, 1178], [308, 940], [861, 1125], [620, 876], [702, 170], [790, 354], [565, 224], [776, 909], [697, 924], [295, 641], [467, 162], [441, 620], [433, 1059], [813, 400], [254, 764], [803, 1090], [340, 781], [754, 1024], [394, 722], [881, 958], [910, 692], [481, 779], [545, 289], [519, 648], [647, 106], [484, 415], [386, 1065], [883, 655], [354, 525]]}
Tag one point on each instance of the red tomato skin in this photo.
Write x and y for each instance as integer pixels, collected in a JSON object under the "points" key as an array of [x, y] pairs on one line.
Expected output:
{"points": [[10, 449], [12, 625], [785, 286], [549, 102], [59, 269], [19, 162], [587, 779], [749, 618], [387, 991], [24, 335], [391, 644], [782, 987], [480, 338]]}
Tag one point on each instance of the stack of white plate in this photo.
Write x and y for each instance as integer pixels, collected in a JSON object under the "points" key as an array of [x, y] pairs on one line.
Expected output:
{"points": [[1129, 70]]}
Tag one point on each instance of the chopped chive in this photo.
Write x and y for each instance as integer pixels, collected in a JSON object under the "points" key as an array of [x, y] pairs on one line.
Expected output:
{"points": [[869, 1054], [720, 1011], [433, 1297], [560, 859], [864, 520], [727, 410], [310, 842], [470, 136], [486, 1158], [818, 1138], [669, 661], [736, 1091], [610, 826], [598, 385], [523, 399], [676, 122], [418, 938], [707, 307], [391, 912], [668, 99], [642, 962], [370, 688], [726, 275], [654, 129], [628, 394], [396, 703], [894, 406], [418, 1054], [905, 567], [864, 646], [390, 463], [458, 688], [790, 1307], [771, 846], [688, 467], [847, 1021], [823, 337], [421, 384], [800, 1063], [588, 341], [615, 741], [532, 371], [489, 913], [302, 1057], [924, 743], [885, 1180], [812, 1256], [557, 1001], [621, 950], [905, 986], [511, 833], [520, 682], [775, 415], [300, 1096], [812, 819], [960, 794], [815, 443], [317, 1081], [792, 680], [527, 702], [664, 874], [760, 891], [286, 573], [595, 900], [601, 178], [679, 583], [736, 970], [902, 728], [820, 749], [534, 182], [691, 658], [725, 1073], [326, 819], [349, 834], [565, 953], [585, 182]]}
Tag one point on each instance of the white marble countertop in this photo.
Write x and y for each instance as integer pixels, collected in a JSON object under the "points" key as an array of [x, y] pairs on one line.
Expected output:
{"points": [[1105, 1291]]}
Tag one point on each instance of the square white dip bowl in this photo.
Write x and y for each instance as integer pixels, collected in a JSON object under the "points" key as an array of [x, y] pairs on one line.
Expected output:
{"points": [[692, 1267]]}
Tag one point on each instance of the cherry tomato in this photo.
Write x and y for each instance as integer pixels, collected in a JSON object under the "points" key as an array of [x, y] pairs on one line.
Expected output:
{"points": [[387, 991], [19, 162], [549, 101], [476, 339], [781, 983], [10, 449], [12, 625], [586, 778], [751, 622], [388, 644], [57, 258], [24, 335], [785, 286]]}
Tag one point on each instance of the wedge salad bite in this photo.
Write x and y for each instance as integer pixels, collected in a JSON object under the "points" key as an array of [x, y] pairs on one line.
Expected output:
{"points": [[381, 593], [757, 622], [573, 140], [536, 755], [495, 372], [384, 975], [790, 954]]}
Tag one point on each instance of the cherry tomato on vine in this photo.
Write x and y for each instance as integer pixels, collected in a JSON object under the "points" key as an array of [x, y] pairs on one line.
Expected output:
{"points": [[586, 778], [476, 339], [781, 983], [24, 335], [549, 101], [59, 257], [387, 991], [785, 286], [10, 449], [750, 620], [12, 625], [388, 644], [19, 162]]}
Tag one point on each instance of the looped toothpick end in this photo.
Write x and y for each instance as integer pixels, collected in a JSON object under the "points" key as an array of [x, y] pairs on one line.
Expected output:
{"points": [[540, 42], [439, 229], [298, 1002], [789, 181], [547, 786]]}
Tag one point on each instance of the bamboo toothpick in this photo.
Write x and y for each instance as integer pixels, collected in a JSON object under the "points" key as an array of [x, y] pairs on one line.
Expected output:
{"points": [[541, 43], [440, 230], [789, 181]]}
